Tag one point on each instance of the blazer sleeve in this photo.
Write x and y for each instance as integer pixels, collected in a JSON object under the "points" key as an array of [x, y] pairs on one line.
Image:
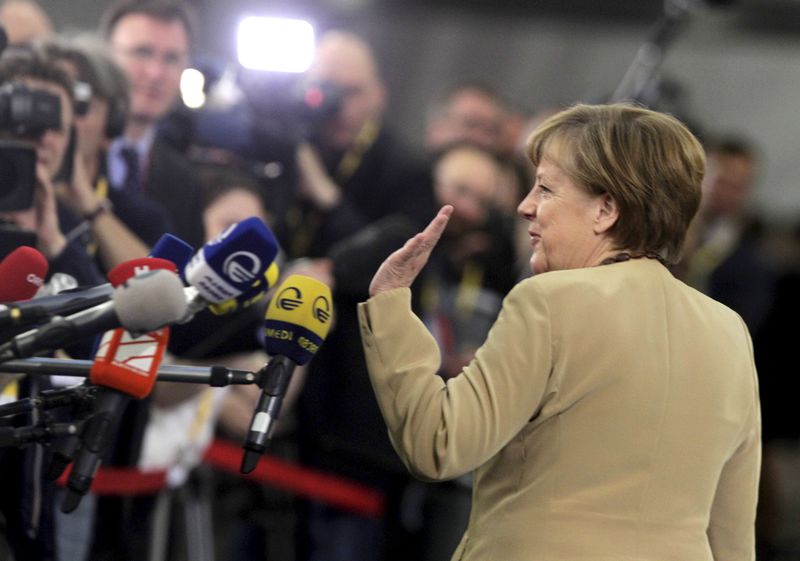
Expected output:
{"points": [[731, 529], [445, 429]]}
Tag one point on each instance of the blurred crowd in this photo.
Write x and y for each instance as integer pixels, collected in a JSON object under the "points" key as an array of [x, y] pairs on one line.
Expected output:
{"points": [[340, 190]]}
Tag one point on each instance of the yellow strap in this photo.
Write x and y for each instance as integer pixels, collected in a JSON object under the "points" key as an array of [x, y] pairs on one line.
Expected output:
{"points": [[355, 154], [10, 392], [305, 226], [101, 187], [469, 288], [203, 411]]}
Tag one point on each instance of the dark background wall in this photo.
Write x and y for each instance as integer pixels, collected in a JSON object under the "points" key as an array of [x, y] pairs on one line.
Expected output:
{"points": [[737, 67]]}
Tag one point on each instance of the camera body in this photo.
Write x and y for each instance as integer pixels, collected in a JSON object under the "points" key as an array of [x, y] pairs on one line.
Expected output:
{"points": [[273, 113], [25, 113], [312, 104]]}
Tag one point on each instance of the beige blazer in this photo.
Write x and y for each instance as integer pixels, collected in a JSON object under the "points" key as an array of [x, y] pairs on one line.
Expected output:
{"points": [[612, 414]]}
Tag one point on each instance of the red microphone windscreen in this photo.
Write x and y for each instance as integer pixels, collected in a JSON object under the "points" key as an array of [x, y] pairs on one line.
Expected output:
{"points": [[129, 269], [129, 364], [22, 273]]}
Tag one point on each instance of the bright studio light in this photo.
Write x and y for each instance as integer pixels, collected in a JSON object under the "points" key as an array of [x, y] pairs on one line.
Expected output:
{"points": [[276, 44], [192, 84]]}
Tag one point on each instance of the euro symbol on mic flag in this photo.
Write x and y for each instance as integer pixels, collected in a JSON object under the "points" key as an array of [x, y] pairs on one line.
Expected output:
{"points": [[322, 309], [242, 266], [290, 298]]}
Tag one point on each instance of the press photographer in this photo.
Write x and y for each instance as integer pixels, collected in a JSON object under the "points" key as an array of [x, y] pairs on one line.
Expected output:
{"points": [[37, 126], [353, 172]]}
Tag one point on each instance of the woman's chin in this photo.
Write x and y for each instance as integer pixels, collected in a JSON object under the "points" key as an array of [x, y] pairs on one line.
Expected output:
{"points": [[538, 265]]}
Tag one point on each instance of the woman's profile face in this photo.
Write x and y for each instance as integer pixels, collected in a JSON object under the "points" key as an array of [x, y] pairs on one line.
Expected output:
{"points": [[562, 221]]}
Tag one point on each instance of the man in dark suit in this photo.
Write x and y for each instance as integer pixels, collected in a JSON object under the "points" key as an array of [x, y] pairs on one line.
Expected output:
{"points": [[151, 41]]}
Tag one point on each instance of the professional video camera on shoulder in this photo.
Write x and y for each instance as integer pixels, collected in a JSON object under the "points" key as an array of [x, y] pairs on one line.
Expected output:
{"points": [[25, 114], [268, 100]]}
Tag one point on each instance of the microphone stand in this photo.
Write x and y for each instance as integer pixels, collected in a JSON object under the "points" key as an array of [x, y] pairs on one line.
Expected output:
{"points": [[640, 82], [215, 376], [43, 433], [50, 399]]}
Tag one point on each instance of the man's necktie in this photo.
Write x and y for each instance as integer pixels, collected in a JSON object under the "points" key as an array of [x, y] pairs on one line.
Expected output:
{"points": [[132, 181]]}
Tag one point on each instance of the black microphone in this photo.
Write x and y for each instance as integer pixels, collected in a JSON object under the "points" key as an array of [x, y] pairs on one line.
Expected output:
{"points": [[42, 433], [34, 311], [297, 321], [49, 399], [357, 257], [144, 303]]}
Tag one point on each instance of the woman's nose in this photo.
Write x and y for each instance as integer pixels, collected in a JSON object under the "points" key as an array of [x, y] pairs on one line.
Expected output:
{"points": [[527, 208]]}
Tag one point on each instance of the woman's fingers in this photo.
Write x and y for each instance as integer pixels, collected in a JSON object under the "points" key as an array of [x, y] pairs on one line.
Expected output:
{"points": [[401, 268]]}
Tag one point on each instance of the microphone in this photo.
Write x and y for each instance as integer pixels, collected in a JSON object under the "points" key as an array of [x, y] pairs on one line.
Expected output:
{"points": [[297, 321], [255, 293], [33, 311], [168, 247], [124, 367], [48, 399], [144, 303], [227, 266], [22, 273], [136, 267], [173, 249]]}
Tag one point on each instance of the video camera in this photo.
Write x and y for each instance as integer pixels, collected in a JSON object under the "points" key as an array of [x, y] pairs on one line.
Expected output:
{"points": [[300, 109], [272, 114], [266, 104], [24, 113]]}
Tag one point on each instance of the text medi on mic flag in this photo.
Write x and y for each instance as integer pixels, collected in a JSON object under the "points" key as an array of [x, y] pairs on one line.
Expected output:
{"points": [[298, 318]]}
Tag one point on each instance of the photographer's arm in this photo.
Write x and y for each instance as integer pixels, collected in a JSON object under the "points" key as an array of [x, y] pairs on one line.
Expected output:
{"points": [[340, 217], [50, 240], [315, 183], [115, 241], [63, 256]]}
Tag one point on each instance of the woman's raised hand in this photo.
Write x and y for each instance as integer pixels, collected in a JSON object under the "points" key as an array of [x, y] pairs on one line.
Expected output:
{"points": [[401, 268]]}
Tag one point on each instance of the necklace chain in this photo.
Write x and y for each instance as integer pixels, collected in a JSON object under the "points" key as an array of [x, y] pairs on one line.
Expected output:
{"points": [[625, 256]]}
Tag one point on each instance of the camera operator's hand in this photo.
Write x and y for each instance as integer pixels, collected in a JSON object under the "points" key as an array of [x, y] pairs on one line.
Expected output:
{"points": [[314, 182], [78, 194], [116, 243], [51, 241]]}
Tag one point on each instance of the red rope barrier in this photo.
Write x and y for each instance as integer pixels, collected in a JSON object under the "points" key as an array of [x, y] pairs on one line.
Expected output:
{"points": [[122, 481], [324, 487], [331, 489]]}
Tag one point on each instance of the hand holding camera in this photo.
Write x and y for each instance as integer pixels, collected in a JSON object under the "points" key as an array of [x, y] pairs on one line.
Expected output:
{"points": [[51, 242], [314, 182]]}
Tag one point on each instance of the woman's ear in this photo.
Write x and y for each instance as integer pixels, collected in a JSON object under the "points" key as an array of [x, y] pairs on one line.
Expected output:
{"points": [[606, 214]]}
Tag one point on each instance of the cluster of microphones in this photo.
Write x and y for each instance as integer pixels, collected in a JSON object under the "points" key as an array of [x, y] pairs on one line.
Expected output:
{"points": [[129, 319]]}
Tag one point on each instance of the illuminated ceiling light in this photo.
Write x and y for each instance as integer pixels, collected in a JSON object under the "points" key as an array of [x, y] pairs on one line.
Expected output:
{"points": [[192, 84], [275, 44]]}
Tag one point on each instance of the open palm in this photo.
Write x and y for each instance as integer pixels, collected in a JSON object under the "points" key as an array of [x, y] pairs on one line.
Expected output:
{"points": [[401, 268]]}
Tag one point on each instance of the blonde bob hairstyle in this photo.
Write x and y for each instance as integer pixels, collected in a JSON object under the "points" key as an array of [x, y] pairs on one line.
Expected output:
{"points": [[648, 162]]}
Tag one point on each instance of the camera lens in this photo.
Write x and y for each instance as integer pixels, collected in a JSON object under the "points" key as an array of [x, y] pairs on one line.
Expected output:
{"points": [[17, 175]]}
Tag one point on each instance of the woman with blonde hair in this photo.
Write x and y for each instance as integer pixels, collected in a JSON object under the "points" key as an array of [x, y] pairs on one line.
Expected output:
{"points": [[612, 412]]}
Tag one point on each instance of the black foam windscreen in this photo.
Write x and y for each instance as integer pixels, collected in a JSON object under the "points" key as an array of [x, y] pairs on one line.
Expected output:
{"points": [[3, 39], [117, 118], [357, 257]]}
